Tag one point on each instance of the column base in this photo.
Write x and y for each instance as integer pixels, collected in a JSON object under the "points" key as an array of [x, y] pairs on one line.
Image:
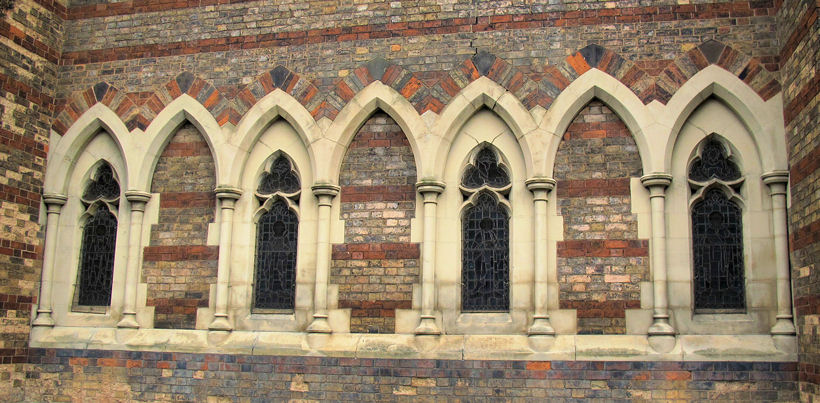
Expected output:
{"points": [[43, 319], [220, 323], [427, 326], [128, 321], [662, 343], [319, 324], [661, 327], [784, 326], [541, 327]]}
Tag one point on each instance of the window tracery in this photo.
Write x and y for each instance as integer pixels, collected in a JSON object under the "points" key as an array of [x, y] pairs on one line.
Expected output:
{"points": [[276, 237], [717, 231], [96, 272], [485, 236]]}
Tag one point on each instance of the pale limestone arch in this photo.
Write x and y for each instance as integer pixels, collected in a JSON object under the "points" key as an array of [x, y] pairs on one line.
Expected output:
{"points": [[763, 119], [482, 93], [617, 96], [277, 104], [341, 132], [163, 128], [63, 157]]}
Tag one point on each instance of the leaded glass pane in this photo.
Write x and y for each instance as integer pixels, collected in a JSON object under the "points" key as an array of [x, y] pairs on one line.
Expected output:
{"points": [[103, 186], [485, 171], [97, 259], [713, 163], [485, 257], [281, 178], [717, 238], [276, 237]]}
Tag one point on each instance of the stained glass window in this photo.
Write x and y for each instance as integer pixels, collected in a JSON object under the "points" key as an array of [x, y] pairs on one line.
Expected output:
{"points": [[281, 178], [485, 256], [713, 163], [276, 239], [485, 171], [102, 186], [97, 259], [717, 241]]}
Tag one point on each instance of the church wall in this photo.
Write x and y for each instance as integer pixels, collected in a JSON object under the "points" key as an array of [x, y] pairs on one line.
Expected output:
{"points": [[799, 35], [128, 57]]}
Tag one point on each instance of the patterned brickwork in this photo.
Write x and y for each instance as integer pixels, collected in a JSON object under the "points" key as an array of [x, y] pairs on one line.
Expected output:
{"points": [[178, 265], [31, 39], [377, 265], [157, 376], [600, 262], [799, 34]]}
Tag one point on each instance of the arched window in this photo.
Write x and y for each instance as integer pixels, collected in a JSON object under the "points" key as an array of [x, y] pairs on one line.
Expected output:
{"points": [[485, 244], [717, 231], [99, 239], [277, 233]]}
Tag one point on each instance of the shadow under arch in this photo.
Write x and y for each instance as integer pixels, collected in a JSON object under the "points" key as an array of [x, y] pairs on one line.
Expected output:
{"points": [[276, 104], [763, 120], [376, 96], [164, 126], [482, 93], [595, 84], [63, 157]]}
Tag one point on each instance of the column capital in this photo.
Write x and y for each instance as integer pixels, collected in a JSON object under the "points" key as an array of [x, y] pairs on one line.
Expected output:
{"points": [[227, 192], [430, 186], [325, 189], [54, 199], [776, 181], [540, 183], [656, 180], [137, 196]]}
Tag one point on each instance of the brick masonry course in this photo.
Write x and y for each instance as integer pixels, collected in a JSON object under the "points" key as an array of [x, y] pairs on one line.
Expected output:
{"points": [[377, 265], [178, 266], [601, 263]]}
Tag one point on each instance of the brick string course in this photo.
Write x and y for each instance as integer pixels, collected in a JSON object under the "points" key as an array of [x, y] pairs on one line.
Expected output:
{"points": [[601, 262]]}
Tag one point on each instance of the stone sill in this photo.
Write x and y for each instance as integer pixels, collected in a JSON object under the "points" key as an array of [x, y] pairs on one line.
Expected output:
{"points": [[449, 347]]}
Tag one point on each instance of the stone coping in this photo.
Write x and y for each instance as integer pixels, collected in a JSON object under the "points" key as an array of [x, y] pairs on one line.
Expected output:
{"points": [[747, 348]]}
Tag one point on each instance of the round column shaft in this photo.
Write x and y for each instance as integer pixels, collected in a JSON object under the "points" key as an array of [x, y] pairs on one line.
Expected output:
{"points": [[325, 193], [54, 203], [429, 191], [227, 199], [657, 184], [777, 182], [540, 188], [137, 201]]}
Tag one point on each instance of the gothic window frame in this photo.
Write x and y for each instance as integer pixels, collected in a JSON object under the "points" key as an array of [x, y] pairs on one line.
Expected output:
{"points": [[472, 195], [92, 205], [267, 199], [701, 190]]}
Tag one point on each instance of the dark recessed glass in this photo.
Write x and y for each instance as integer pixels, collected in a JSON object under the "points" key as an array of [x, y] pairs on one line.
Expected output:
{"points": [[713, 163], [103, 186], [97, 259], [485, 171], [276, 239], [281, 178], [485, 257]]}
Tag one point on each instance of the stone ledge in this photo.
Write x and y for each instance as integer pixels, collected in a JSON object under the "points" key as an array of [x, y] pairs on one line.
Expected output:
{"points": [[746, 348]]}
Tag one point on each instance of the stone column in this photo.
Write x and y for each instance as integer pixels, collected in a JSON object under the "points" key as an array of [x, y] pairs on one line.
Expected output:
{"points": [[325, 193], [54, 203], [227, 199], [429, 191], [137, 201], [540, 188], [777, 182], [657, 184]]}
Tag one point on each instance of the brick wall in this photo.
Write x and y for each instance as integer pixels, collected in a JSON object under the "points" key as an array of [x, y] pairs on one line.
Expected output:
{"points": [[178, 265], [377, 265], [159, 376], [601, 261], [28, 79], [799, 34]]}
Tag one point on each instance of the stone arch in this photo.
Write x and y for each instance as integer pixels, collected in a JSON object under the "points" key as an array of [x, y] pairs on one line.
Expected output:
{"points": [[597, 84], [63, 156], [376, 96], [164, 126], [276, 104], [482, 93], [763, 119]]}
